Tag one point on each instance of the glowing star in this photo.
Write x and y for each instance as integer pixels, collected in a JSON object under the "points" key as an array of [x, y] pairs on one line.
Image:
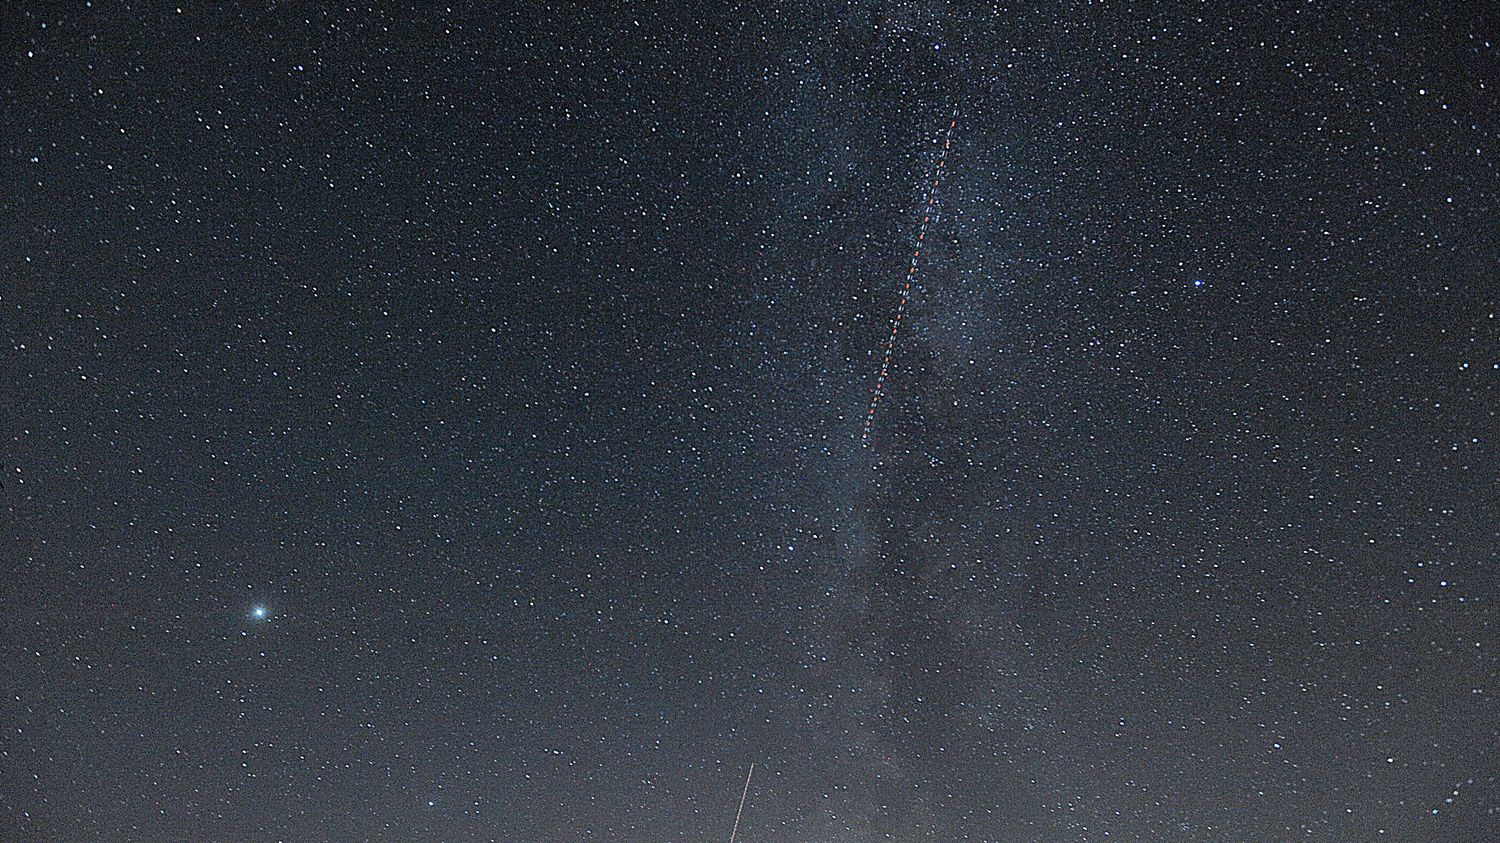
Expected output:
{"points": [[259, 613]]}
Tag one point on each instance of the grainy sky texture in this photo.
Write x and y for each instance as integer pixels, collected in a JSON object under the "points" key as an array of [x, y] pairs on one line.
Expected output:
{"points": [[443, 424]]}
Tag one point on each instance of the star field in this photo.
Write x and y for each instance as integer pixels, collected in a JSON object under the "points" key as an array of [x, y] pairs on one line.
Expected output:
{"points": [[430, 423]]}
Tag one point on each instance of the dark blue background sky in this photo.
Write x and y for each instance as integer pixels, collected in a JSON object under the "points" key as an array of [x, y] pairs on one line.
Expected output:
{"points": [[514, 360]]}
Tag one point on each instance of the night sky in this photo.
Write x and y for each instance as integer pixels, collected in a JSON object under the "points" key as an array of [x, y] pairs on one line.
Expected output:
{"points": [[444, 424]]}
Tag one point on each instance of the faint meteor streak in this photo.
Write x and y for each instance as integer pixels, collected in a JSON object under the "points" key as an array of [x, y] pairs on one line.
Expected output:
{"points": [[737, 814], [911, 274]]}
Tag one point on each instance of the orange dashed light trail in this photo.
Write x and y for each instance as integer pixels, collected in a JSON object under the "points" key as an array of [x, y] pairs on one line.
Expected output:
{"points": [[911, 274]]}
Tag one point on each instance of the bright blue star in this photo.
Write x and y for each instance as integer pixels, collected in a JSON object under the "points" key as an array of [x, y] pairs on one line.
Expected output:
{"points": [[259, 613], [1198, 282]]}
